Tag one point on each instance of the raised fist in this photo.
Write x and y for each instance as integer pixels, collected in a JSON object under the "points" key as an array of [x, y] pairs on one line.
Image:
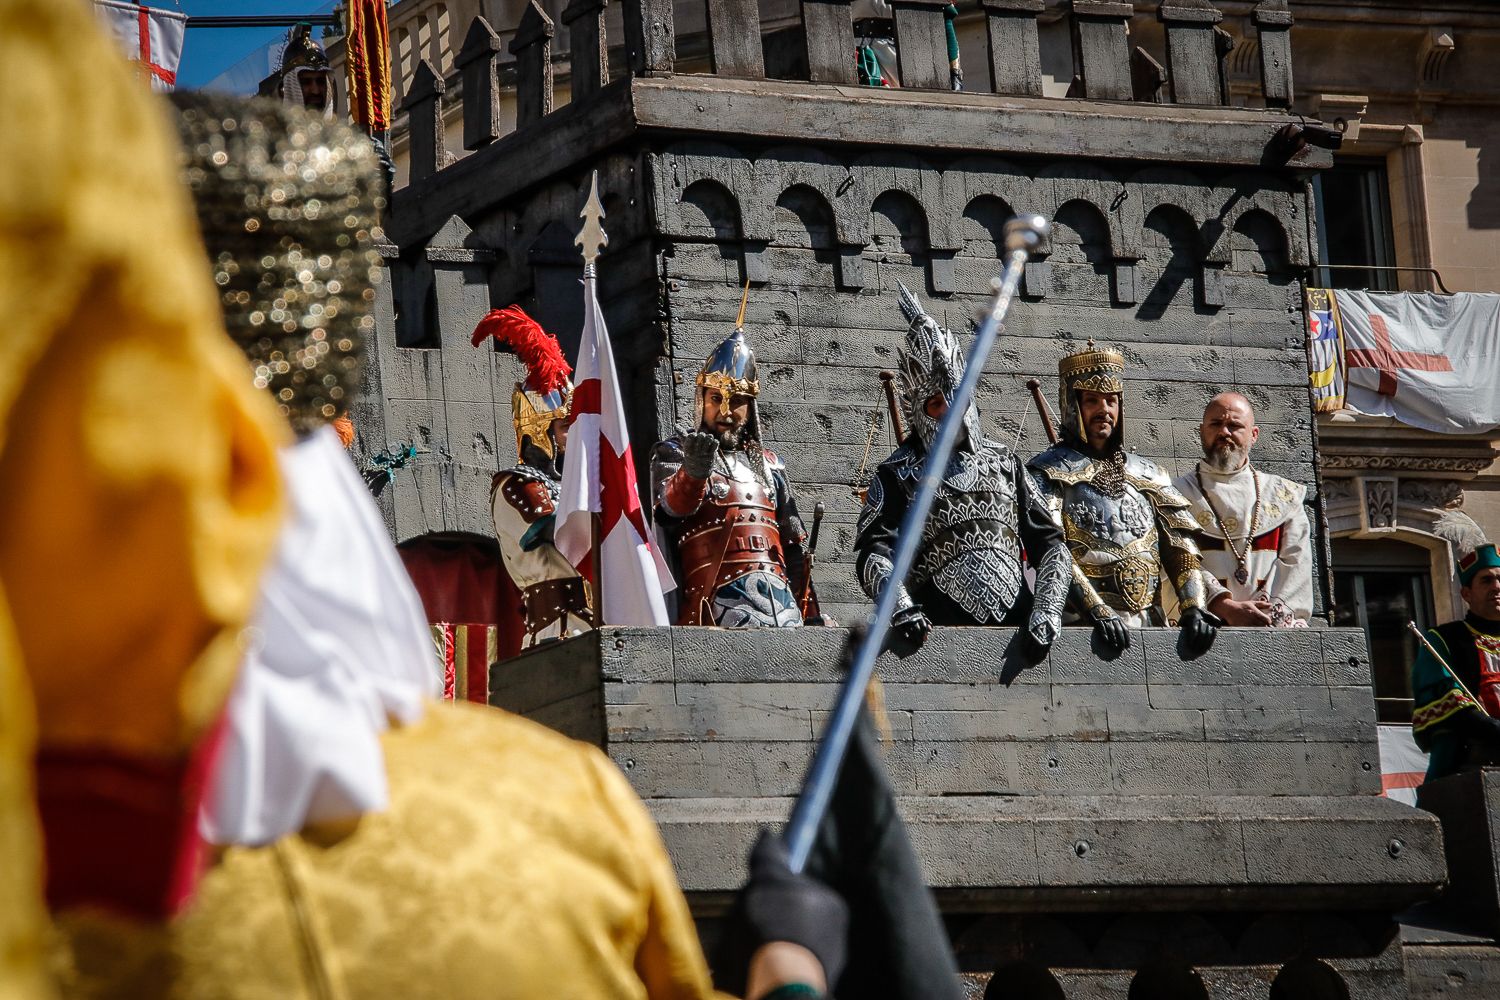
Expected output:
{"points": [[698, 450]]}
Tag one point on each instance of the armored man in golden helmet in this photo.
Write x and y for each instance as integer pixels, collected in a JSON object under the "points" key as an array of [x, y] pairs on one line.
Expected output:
{"points": [[1124, 522], [725, 508], [523, 499]]}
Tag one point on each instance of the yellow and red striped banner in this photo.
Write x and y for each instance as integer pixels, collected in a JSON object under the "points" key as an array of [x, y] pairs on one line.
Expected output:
{"points": [[466, 652], [368, 62]]}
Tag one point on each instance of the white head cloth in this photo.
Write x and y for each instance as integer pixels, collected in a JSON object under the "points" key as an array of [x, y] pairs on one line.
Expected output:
{"points": [[291, 88], [338, 647]]}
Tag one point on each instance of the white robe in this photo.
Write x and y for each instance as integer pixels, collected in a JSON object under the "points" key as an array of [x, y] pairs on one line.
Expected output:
{"points": [[1279, 556]]}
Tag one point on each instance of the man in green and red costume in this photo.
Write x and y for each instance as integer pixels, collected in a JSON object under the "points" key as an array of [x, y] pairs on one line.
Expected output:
{"points": [[1457, 717]]}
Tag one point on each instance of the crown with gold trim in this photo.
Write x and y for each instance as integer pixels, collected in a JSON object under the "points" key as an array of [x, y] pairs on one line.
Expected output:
{"points": [[1097, 369], [731, 368]]}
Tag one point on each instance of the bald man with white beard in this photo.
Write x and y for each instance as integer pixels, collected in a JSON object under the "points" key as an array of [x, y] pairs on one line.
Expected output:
{"points": [[1252, 527]]}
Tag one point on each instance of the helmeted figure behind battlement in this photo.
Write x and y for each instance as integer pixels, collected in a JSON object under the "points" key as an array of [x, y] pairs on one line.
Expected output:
{"points": [[1124, 522], [523, 499], [969, 568], [725, 509]]}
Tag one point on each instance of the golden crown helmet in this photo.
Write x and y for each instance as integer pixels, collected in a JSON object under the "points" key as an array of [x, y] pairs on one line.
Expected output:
{"points": [[1093, 369], [731, 370], [547, 393]]}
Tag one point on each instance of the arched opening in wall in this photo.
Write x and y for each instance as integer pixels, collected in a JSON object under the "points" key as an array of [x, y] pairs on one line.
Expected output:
{"points": [[1023, 981], [805, 248], [710, 228], [898, 228], [1258, 245], [1171, 260], [1081, 255], [709, 212], [804, 219], [982, 227], [1380, 584], [463, 585], [1167, 979], [1308, 979]]}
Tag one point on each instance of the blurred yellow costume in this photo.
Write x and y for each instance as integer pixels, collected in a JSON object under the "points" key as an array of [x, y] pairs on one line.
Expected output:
{"points": [[141, 499], [140, 490]]}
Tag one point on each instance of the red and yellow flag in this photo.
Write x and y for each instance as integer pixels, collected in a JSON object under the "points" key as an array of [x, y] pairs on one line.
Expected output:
{"points": [[368, 61]]}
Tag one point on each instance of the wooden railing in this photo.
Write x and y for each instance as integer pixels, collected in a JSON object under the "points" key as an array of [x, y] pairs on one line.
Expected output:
{"points": [[1105, 67]]}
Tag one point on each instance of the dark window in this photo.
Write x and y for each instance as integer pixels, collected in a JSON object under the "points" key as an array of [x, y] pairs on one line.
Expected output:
{"points": [[1354, 226], [1379, 586]]}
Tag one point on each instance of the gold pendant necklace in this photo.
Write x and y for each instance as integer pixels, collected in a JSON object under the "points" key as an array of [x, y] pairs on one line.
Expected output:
{"points": [[1242, 574]]}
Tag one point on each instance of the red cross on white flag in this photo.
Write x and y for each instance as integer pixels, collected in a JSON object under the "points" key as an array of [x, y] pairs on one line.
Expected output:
{"points": [[148, 36], [599, 478], [1427, 360]]}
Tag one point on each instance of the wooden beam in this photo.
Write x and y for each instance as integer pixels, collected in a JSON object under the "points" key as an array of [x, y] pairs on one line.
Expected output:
{"points": [[921, 43], [650, 38], [532, 48], [980, 123], [1273, 21], [480, 71], [734, 39], [828, 30], [1192, 56], [426, 152], [1015, 49], [586, 42], [1101, 53]]}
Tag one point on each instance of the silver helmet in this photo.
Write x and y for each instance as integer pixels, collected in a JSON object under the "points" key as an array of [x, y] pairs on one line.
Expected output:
{"points": [[730, 369], [932, 363]]}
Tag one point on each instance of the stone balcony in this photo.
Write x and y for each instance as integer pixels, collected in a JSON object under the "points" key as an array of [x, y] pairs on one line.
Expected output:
{"points": [[1248, 778]]}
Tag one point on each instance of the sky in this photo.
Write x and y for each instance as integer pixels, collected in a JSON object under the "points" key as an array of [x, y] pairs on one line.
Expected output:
{"points": [[210, 51]]}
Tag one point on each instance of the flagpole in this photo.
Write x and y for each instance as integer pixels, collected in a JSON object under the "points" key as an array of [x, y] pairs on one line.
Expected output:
{"points": [[591, 240], [1022, 235]]}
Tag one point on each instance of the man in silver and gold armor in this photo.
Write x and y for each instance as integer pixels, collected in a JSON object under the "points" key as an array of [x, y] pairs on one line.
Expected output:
{"points": [[523, 501], [969, 568], [725, 510], [1125, 523]]}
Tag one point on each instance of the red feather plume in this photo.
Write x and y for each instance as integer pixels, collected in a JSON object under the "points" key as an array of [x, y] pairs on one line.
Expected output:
{"points": [[538, 350]]}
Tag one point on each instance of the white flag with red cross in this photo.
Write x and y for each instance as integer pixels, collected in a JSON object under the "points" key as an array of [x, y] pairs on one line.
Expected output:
{"points": [[148, 36], [1428, 360], [599, 476]]}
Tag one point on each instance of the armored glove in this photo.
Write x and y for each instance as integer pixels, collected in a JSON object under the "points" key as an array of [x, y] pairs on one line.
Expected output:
{"points": [[1037, 638], [1197, 633], [777, 905], [1111, 633], [698, 450], [910, 626]]}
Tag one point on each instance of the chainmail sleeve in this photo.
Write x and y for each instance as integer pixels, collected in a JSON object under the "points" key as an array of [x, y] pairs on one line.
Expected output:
{"points": [[1045, 549], [875, 539]]}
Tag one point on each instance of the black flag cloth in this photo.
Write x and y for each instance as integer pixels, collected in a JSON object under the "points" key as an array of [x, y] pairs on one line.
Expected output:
{"points": [[898, 949]]}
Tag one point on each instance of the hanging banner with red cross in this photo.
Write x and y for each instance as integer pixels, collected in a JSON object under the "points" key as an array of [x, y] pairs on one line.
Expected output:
{"points": [[1428, 360], [601, 526], [149, 37]]}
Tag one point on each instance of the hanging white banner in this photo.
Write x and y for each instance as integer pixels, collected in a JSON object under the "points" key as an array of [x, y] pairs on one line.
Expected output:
{"points": [[1427, 360], [148, 36]]}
